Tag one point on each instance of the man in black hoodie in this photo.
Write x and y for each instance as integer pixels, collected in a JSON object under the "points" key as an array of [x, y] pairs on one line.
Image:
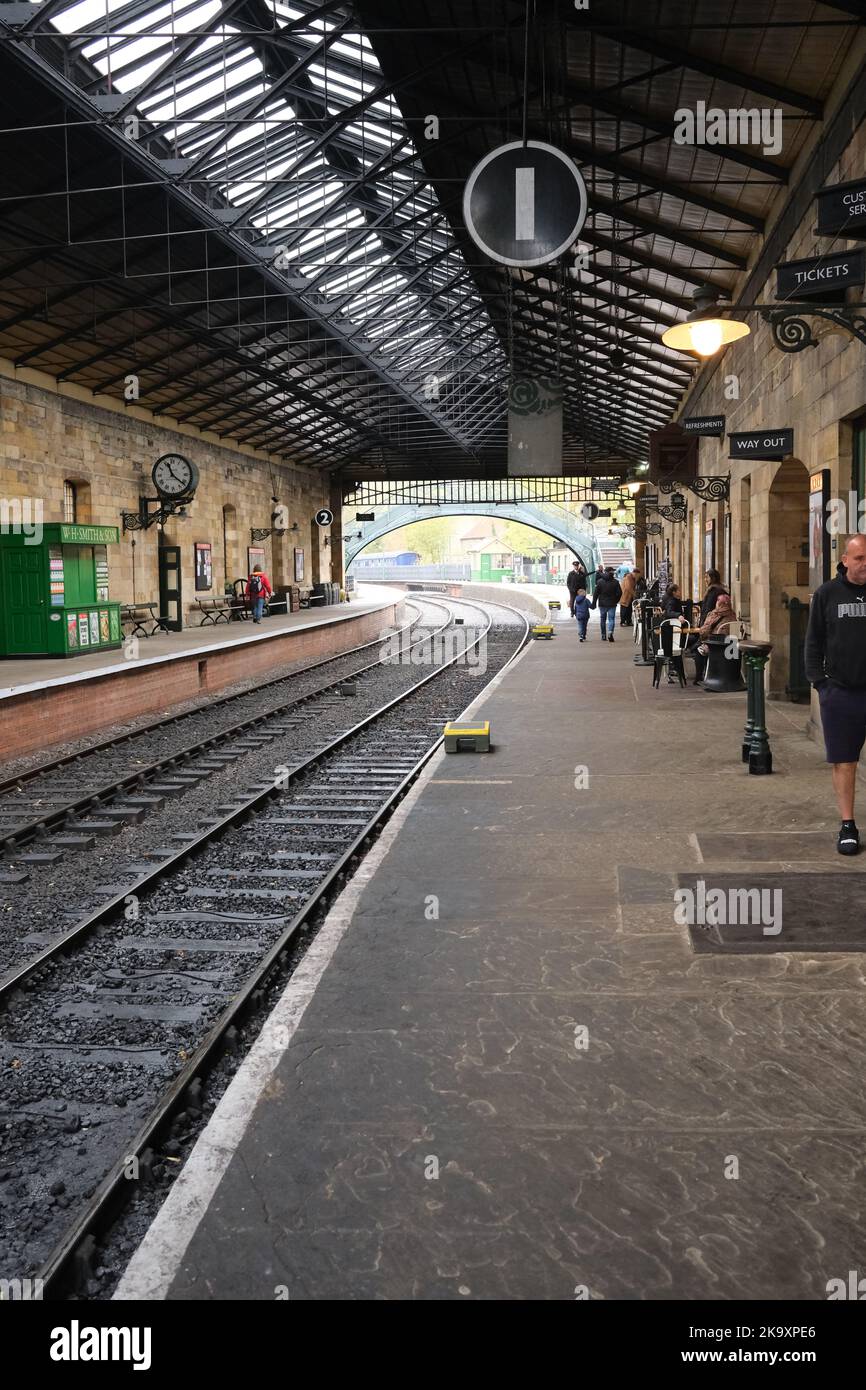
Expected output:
{"points": [[607, 595], [836, 667]]}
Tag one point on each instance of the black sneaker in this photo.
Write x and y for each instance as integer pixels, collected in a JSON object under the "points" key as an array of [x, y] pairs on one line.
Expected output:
{"points": [[603, 637], [610, 639], [849, 838]]}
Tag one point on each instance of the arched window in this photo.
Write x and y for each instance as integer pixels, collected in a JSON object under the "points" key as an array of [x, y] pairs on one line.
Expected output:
{"points": [[76, 501], [70, 502]]}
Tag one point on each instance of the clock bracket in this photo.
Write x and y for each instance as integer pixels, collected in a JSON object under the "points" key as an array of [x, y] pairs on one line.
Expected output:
{"points": [[154, 511]]}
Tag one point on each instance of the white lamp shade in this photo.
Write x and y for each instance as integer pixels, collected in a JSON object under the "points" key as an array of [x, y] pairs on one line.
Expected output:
{"points": [[704, 336]]}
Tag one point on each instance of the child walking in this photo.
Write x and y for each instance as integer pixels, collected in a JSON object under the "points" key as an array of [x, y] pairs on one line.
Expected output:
{"points": [[581, 612]]}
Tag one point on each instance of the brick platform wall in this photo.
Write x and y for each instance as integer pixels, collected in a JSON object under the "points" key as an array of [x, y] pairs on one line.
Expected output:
{"points": [[41, 718]]}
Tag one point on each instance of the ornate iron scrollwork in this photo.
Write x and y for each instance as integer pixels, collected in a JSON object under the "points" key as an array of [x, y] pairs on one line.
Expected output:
{"points": [[709, 489], [791, 332], [673, 513], [653, 528], [144, 518]]}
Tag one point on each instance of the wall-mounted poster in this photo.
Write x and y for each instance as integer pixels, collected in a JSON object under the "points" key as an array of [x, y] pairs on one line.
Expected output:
{"points": [[203, 565], [709, 546], [819, 536], [255, 556], [100, 557], [94, 629], [299, 565], [697, 577], [728, 576], [104, 635], [83, 631], [71, 630]]}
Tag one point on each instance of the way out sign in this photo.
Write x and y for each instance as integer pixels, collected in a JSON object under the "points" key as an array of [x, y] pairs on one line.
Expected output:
{"points": [[525, 204]]}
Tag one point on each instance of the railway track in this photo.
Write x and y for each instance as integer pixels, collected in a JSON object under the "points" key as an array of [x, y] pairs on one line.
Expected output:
{"points": [[38, 898], [76, 797], [109, 1033]]}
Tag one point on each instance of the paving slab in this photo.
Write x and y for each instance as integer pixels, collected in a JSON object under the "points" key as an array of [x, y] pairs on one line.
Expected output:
{"points": [[516, 1077]]}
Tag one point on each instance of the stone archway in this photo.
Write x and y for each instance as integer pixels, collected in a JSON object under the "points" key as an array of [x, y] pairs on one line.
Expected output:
{"points": [[787, 562], [551, 520]]}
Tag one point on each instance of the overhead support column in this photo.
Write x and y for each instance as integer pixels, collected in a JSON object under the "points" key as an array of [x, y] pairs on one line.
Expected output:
{"points": [[338, 565]]}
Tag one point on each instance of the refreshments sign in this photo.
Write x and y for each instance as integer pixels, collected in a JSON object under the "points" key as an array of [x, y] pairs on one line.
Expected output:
{"points": [[704, 424]]}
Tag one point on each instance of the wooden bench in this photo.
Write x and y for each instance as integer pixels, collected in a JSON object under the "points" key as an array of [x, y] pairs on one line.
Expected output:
{"points": [[218, 609], [139, 615], [311, 600]]}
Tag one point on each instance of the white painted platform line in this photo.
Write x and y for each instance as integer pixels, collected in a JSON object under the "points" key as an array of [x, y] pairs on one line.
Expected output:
{"points": [[153, 1267], [155, 1263]]}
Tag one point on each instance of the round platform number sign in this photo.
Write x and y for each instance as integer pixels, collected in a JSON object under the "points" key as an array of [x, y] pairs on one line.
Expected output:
{"points": [[324, 517], [525, 204]]}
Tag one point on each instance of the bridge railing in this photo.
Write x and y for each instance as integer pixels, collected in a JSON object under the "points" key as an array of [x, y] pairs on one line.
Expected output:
{"points": [[371, 573]]}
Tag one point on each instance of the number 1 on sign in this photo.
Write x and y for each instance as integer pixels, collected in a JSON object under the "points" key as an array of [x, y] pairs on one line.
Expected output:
{"points": [[524, 204]]}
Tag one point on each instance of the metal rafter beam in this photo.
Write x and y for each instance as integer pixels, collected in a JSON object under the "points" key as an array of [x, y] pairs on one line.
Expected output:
{"points": [[617, 211], [710, 67], [74, 98]]}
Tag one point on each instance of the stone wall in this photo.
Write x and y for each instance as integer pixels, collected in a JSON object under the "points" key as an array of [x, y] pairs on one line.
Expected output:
{"points": [[52, 435], [818, 392]]}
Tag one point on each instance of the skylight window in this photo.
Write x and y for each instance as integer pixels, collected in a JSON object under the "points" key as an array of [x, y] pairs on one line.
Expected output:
{"points": [[346, 201]]}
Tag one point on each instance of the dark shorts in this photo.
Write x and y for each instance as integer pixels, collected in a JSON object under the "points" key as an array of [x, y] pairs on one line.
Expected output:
{"points": [[843, 716]]}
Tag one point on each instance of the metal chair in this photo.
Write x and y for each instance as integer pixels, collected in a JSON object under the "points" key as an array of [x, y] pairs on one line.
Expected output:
{"points": [[669, 644]]}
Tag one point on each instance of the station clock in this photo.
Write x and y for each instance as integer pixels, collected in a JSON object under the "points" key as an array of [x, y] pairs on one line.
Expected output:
{"points": [[174, 476]]}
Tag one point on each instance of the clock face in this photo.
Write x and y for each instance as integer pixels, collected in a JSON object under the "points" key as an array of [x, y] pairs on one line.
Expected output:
{"points": [[174, 476]]}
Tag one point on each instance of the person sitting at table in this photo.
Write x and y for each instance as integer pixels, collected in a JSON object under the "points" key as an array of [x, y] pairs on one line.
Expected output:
{"points": [[714, 588], [716, 625], [672, 602]]}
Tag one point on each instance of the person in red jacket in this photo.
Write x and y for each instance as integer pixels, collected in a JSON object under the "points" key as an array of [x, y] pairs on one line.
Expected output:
{"points": [[258, 589]]}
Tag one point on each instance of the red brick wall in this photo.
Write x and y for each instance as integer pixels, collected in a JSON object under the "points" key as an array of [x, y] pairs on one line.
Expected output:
{"points": [[42, 717]]}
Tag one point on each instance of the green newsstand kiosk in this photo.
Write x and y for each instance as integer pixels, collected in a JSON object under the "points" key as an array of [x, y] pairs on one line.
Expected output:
{"points": [[54, 595]]}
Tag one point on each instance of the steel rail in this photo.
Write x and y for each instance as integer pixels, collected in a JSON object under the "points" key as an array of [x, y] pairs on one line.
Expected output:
{"points": [[104, 795], [20, 973], [21, 779], [69, 1262]]}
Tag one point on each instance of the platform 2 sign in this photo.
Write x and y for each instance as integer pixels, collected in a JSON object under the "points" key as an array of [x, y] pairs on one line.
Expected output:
{"points": [[842, 210], [820, 275], [761, 444], [713, 425]]}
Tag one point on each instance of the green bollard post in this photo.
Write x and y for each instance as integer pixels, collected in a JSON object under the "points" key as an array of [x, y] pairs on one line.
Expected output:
{"points": [[760, 757], [750, 705]]}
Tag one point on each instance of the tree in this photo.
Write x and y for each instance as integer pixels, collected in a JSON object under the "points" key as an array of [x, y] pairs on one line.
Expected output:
{"points": [[525, 540], [431, 539]]}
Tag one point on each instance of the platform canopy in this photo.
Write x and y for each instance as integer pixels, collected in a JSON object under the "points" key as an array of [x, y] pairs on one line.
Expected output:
{"points": [[245, 205]]}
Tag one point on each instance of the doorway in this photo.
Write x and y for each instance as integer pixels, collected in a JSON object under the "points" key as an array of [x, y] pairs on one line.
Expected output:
{"points": [[24, 599], [787, 570], [170, 587]]}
